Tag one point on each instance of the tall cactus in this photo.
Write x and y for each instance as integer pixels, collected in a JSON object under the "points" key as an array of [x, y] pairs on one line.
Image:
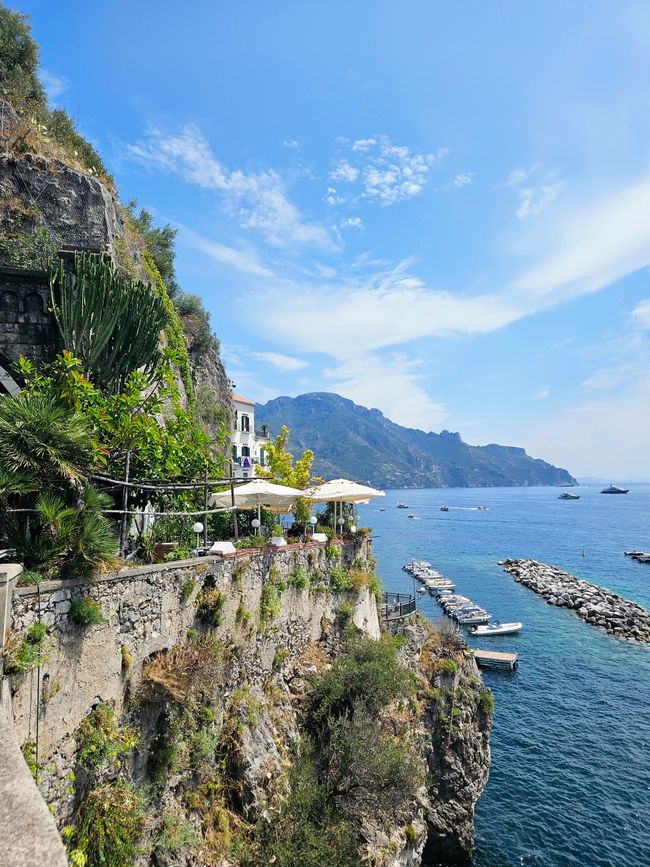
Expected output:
{"points": [[111, 323]]}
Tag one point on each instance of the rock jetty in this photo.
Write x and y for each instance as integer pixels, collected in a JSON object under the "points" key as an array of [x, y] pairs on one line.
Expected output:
{"points": [[593, 604]]}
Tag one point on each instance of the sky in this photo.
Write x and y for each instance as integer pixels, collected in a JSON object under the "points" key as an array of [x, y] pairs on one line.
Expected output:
{"points": [[441, 210]]}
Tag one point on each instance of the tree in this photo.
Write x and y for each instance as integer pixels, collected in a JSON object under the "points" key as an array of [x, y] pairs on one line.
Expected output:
{"points": [[19, 59], [281, 469]]}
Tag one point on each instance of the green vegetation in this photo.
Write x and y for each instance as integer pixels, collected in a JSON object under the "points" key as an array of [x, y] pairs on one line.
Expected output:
{"points": [[28, 750], [486, 702], [127, 658], [243, 615], [110, 323], [270, 603], [210, 603], [177, 835], [86, 611], [447, 667], [280, 657], [332, 552], [344, 614], [25, 651], [187, 589], [340, 579], [281, 468], [298, 578], [410, 836], [101, 741], [110, 821]]}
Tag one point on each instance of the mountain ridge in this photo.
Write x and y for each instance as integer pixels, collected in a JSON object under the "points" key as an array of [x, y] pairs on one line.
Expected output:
{"points": [[356, 442]]}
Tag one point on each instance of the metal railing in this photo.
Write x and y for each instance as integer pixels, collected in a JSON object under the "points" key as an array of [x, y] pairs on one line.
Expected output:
{"points": [[396, 606]]}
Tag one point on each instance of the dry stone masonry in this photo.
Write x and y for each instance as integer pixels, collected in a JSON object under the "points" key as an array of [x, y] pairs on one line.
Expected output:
{"points": [[593, 604]]}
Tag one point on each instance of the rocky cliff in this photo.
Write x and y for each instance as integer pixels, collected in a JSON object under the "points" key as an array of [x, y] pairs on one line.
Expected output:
{"points": [[196, 689]]}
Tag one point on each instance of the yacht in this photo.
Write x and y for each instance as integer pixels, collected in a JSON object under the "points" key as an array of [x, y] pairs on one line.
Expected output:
{"points": [[614, 489], [568, 496], [444, 508], [402, 505]]}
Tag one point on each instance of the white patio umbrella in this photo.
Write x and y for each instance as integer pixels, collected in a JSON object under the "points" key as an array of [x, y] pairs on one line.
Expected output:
{"points": [[342, 491], [258, 493]]}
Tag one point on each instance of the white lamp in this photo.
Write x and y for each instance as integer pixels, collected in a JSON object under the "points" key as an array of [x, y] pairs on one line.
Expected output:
{"points": [[313, 521], [353, 528], [255, 524], [198, 529]]}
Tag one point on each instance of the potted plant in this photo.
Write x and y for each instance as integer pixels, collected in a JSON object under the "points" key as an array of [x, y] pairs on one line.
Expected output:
{"points": [[277, 539]]}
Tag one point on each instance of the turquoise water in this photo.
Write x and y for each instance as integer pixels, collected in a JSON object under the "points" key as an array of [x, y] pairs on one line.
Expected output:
{"points": [[570, 777]]}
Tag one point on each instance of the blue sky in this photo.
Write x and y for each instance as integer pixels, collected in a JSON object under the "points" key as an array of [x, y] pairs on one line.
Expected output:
{"points": [[441, 210]]}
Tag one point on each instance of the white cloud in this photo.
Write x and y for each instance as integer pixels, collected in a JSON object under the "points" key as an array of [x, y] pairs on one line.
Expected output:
{"points": [[242, 260], [291, 143], [282, 362], [542, 393], [463, 179], [363, 144], [387, 173], [333, 198], [641, 313], [392, 385], [534, 200], [518, 176], [352, 223], [257, 201], [343, 171], [54, 84]]}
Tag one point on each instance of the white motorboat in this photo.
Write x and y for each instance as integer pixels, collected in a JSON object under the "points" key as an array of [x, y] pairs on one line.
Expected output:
{"points": [[497, 628]]}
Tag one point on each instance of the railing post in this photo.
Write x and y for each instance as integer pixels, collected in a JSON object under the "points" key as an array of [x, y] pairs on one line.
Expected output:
{"points": [[125, 501]]}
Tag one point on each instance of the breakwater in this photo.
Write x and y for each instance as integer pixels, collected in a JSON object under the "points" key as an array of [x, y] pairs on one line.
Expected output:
{"points": [[592, 603]]}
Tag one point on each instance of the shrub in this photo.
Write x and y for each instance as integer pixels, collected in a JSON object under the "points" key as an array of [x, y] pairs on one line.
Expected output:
{"points": [[410, 836], [362, 577], [110, 821], [210, 604], [344, 614], [24, 652], [327, 530], [447, 667], [176, 835], [298, 578], [250, 542], [270, 603], [332, 552], [368, 674], [486, 701], [277, 530], [182, 552], [28, 750], [100, 740], [187, 589], [243, 615], [86, 611], [280, 657], [185, 670], [340, 579]]}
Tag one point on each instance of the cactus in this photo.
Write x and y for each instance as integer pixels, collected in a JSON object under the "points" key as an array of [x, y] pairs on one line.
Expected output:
{"points": [[111, 323]]}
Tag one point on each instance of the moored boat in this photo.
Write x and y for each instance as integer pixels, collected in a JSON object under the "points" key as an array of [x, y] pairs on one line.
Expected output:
{"points": [[402, 505], [568, 496], [497, 628]]}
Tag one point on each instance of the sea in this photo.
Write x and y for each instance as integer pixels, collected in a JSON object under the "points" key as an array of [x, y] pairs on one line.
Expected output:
{"points": [[569, 783]]}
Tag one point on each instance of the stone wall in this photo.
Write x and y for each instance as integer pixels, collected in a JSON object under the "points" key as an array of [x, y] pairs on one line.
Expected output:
{"points": [[150, 609], [26, 326]]}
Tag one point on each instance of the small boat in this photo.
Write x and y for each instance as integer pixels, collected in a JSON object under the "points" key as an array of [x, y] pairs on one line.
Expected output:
{"points": [[382, 510], [614, 489], [568, 496], [444, 508], [634, 553], [497, 628], [402, 505], [483, 508], [412, 516]]}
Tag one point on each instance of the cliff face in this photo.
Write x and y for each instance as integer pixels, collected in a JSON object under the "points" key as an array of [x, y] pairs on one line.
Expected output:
{"points": [[195, 689]]}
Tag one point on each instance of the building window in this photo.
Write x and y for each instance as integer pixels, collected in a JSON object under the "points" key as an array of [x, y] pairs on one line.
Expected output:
{"points": [[245, 452], [245, 423], [245, 475], [262, 458], [234, 452]]}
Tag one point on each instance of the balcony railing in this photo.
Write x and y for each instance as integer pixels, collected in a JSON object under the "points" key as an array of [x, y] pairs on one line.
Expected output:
{"points": [[396, 606]]}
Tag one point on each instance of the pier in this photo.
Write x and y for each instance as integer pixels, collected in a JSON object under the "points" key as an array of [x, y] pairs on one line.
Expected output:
{"points": [[496, 659]]}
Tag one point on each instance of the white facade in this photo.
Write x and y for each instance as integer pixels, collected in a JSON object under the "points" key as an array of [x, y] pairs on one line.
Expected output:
{"points": [[247, 445]]}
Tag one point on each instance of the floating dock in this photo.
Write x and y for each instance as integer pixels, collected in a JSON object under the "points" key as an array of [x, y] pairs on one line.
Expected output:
{"points": [[496, 659]]}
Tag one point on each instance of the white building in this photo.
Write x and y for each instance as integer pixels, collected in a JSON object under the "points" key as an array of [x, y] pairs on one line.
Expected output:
{"points": [[247, 444]]}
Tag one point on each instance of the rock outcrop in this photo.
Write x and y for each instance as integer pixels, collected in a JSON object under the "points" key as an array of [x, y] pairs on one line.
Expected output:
{"points": [[593, 604]]}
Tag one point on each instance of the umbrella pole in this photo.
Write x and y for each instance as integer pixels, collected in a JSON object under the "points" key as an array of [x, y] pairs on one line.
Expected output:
{"points": [[259, 518]]}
